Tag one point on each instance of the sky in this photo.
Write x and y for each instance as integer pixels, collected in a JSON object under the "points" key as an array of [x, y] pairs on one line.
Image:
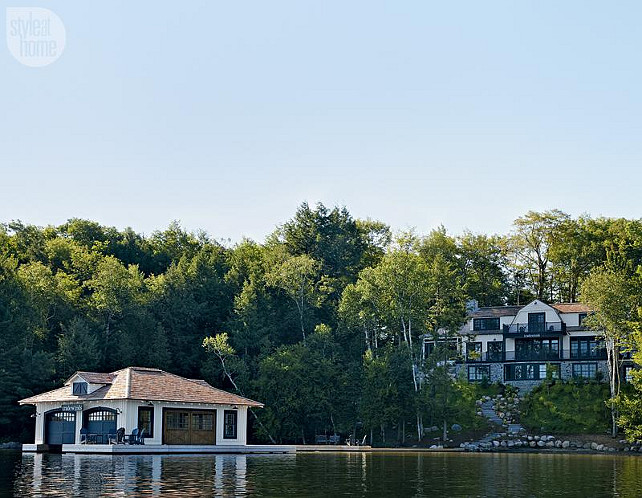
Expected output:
{"points": [[226, 116]]}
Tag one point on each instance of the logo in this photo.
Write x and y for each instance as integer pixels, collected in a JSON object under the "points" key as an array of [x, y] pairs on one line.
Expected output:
{"points": [[35, 36]]}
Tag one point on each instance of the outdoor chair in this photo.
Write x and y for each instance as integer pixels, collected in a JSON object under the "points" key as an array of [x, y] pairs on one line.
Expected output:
{"points": [[133, 437], [141, 437], [334, 439], [118, 438], [83, 435]]}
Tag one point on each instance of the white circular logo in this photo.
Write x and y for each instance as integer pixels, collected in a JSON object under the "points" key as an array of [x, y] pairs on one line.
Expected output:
{"points": [[35, 36]]}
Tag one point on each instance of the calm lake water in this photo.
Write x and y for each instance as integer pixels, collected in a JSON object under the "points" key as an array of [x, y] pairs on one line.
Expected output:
{"points": [[323, 474]]}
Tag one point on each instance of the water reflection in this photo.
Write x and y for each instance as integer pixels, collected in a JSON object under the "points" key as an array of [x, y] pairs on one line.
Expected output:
{"points": [[323, 474], [196, 475]]}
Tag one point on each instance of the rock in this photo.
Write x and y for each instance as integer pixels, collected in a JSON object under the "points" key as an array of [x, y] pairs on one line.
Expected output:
{"points": [[550, 444], [587, 446], [565, 444], [510, 444], [456, 427], [594, 445], [433, 447], [530, 438], [541, 444], [611, 449], [532, 444], [598, 447], [518, 443], [558, 444], [537, 438], [626, 449], [496, 444]]}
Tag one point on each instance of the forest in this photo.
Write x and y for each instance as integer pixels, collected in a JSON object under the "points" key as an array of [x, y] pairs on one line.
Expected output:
{"points": [[323, 321]]}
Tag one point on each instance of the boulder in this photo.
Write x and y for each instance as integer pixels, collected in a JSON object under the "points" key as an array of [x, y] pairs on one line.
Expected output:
{"points": [[456, 427], [496, 444], [532, 444], [550, 444], [558, 444], [565, 444], [587, 446], [541, 444], [599, 447], [537, 438], [594, 445]]}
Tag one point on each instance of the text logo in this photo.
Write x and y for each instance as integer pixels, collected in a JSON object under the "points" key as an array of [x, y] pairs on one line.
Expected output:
{"points": [[35, 36]]}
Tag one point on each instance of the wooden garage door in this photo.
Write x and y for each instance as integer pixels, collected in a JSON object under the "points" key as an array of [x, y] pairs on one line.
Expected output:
{"points": [[189, 426]]}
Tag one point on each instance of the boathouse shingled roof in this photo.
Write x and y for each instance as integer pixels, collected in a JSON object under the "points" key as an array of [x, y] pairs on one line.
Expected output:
{"points": [[148, 384]]}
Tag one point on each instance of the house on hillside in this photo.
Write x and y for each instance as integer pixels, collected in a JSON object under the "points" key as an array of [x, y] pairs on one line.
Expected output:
{"points": [[521, 345], [171, 410]]}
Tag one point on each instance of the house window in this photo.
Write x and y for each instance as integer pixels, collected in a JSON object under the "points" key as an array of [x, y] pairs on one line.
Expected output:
{"points": [[478, 372], [485, 324], [587, 347], [473, 351], [530, 371], [495, 351], [581, 317], [536, 322], [628, 373], [585, 370], [79, 388], [230, 418], [146, 420], [429, 348]]}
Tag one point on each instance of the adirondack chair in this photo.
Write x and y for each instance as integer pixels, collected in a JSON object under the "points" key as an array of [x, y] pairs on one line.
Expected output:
{"points": [[83, 435], [133, 437], [141, 437]]}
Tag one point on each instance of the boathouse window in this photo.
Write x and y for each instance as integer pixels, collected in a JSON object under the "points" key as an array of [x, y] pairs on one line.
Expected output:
{"points": [[486, 324], [585, 370], [79, 388], [146, 420], [230, 424], [628, 373], [478, 372]]}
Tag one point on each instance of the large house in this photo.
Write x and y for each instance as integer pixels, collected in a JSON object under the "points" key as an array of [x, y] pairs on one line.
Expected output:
{"points": [[171, 410], [521, 345]]}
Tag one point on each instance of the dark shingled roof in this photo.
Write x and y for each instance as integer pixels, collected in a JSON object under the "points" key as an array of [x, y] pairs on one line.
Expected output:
{"points": [[496, 311]]}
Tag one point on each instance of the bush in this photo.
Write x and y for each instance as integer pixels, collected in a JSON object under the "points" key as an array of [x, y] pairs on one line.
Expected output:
{"points": [[567, 407]]}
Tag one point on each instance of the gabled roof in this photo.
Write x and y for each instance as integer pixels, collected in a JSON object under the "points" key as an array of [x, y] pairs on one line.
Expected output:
{"points": [[92, 377], [148, 384]]}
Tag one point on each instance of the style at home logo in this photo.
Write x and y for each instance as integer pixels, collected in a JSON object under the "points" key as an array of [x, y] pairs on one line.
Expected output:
{"points": [[35, 36]]}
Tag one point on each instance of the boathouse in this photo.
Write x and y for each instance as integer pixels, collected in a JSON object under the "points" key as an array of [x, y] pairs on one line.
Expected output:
{"points": [[168, 411]]}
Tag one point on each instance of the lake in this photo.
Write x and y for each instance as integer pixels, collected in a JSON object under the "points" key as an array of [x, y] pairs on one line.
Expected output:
{"points": [[322, 474]]}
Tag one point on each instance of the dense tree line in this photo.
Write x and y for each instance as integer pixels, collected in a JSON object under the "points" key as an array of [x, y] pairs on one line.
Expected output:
{"points": [[323, 321]]}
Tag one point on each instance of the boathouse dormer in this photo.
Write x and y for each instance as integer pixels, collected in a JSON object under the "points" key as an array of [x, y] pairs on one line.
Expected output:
{"points": [[84, 383]]}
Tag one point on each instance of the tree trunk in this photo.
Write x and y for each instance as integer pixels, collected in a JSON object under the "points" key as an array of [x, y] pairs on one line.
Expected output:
{"points": [[445, 434]]}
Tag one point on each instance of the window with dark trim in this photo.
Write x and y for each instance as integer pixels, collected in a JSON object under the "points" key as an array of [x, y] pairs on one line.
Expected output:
{"points": [[585, 370], [478, 372], [628, 373], [473, 351], [495, 351], [79, 388], [146, 420], [230, 419], [587, 347], [429, 348], [581, 317], [485, 324], [531, 371]]}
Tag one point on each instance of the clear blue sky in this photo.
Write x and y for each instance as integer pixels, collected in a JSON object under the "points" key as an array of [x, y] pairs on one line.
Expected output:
{"points": [[227, 115]]}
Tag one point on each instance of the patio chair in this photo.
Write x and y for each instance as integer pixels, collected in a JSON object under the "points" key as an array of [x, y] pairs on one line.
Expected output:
{"points": [[141, 437], [133, 437], [83, 435]]}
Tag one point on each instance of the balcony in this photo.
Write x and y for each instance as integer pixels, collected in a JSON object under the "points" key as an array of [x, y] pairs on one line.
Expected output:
{"points": [[535, 329], [539, 356]]}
